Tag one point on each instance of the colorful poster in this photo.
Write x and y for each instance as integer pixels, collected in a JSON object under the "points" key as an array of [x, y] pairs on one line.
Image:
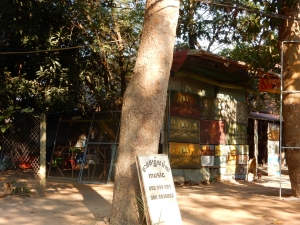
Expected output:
{"points": [[236, 133], [207, 149], [207, 160], [184, 155], [230, 169], [233, 150], [226, 109], [209, 108], [273, 147], [231, 159], [273, 132], [212, 132], [242, 149], [241, 112], [243, 159], [241, 169], [184, 105], [184, 130], [222, 150], [220, 161], [223, 109]]}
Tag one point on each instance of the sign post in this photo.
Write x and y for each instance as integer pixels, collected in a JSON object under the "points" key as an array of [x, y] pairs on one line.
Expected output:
{"points": [[158, 190]]}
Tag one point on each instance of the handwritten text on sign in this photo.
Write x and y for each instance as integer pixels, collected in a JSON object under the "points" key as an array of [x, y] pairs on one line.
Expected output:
{"points": [[158, 190]]}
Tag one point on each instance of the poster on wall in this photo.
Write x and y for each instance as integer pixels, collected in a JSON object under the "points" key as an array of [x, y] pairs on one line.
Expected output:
{"points": [[242, 149], [243, 159], [184, 155], [241, 112], [220, 161], [209, 108], [207, 160], [207, 149], [273, 147], [236, 133], [232, 159], [226, 109], [184, 105], [184, 130], [212, 132], [273, 132], [241, 169], [222, 150], [230, 169]]}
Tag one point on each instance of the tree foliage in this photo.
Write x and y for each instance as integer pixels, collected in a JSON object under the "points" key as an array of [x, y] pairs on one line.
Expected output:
{"points": [[243, 30], [61, 55]]}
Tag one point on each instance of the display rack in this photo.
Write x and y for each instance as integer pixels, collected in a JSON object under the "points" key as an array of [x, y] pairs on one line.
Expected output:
{"points": [[85, 149]]}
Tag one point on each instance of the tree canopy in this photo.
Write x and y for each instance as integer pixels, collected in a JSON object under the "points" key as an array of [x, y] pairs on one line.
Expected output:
{"points": [[65, 55]]}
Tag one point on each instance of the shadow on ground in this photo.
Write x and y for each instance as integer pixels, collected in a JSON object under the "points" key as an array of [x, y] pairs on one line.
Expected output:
{"points": [[65, 202], [226, 202]]}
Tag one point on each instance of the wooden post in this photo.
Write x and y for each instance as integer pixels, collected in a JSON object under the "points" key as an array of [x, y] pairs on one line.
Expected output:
{"points": [[42, 170]]}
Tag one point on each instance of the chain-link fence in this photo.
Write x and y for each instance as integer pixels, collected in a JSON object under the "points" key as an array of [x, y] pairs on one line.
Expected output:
{"points": [[20, 151]]}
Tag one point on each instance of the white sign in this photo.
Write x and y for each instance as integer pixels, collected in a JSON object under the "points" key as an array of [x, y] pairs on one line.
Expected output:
{"points": [[158, 190]]}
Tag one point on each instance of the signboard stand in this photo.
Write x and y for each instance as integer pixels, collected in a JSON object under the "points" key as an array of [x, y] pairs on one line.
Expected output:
{"points": [[158, 190]]}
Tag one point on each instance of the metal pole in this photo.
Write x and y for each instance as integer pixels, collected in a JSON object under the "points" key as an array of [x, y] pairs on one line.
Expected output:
{"points": [[85, 149], [280, 125]]}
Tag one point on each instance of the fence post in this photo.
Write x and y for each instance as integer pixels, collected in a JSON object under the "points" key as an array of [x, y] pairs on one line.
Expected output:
{"points": [[42, 170]]}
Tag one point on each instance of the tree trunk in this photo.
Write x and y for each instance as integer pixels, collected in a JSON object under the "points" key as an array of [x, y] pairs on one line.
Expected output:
{"points": [[143, 106], [289, 31]]}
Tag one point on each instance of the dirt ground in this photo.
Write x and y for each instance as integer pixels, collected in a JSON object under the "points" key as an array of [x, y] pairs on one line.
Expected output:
{"points": [[220, 202]]}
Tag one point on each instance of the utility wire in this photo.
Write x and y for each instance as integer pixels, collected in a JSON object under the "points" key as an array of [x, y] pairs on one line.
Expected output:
{"points": [[52, 50], [247, 9], [228, 5]]}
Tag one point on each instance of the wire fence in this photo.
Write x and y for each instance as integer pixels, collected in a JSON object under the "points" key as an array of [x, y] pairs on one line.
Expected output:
{"points": [[20, 151]]}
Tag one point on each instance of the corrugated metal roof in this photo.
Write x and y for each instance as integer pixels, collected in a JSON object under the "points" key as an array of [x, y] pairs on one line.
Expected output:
{"points": [[263, 116]]}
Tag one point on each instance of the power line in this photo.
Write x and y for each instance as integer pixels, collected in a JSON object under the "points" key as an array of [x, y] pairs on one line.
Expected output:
{"points": [[52, 50], [247, 9]]}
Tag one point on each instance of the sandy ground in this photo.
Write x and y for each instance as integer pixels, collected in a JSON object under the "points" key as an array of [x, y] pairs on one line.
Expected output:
{"points": [[235, 202]]}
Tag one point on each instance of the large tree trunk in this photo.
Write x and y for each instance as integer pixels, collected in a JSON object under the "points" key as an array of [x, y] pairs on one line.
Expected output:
{"points": [[143, 106], [289, 31]]}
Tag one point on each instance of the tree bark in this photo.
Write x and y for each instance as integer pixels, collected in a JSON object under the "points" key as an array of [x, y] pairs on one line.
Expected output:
{"points": [[143, 106], [289, 31]]}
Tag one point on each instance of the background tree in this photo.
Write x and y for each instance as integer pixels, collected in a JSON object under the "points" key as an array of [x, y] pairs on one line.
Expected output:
{"points": [[60, 55], [280, 19], [258, 56], [144, 106]]}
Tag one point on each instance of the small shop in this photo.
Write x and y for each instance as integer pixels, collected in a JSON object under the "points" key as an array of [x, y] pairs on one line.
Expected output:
{"points": [[264, 135], [205, 129]]}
